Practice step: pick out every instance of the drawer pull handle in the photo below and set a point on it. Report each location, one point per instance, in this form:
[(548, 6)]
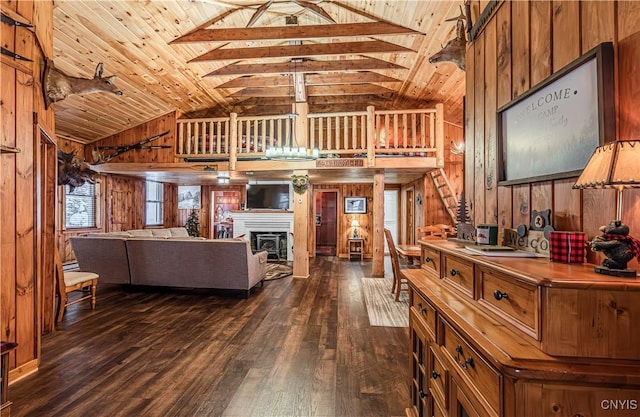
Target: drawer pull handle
[(499, 295), (427, 259), (420, 304), (453, 272), (424, 311), (422, 394), (464, 363), (435, 375)]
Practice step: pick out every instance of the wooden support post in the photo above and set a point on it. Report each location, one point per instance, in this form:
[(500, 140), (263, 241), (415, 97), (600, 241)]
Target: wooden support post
[(233, 141), (440, 135), (371, 136), (378, 224), (301, 123), (301, 231)]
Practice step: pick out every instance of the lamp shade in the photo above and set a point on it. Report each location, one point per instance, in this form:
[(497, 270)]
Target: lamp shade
[(614, 165), (355, 223)]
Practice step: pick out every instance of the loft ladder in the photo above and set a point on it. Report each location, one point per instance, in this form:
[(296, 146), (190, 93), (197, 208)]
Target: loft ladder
[(445, 192)]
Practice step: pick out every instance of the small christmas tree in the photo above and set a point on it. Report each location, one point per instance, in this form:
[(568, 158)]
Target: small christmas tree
[(193, 224), (463, 212)]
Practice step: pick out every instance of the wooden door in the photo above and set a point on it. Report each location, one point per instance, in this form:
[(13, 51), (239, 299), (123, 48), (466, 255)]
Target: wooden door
[(326, 222)]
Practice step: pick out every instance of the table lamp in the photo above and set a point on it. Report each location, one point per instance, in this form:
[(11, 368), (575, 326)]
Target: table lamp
[(355, 224), (614, 165)]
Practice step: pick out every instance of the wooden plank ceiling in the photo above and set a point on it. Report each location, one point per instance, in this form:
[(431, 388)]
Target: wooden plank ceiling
[(211, 57)]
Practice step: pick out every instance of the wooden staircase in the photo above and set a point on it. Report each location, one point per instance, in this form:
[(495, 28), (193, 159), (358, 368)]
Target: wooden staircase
[(445, 192)]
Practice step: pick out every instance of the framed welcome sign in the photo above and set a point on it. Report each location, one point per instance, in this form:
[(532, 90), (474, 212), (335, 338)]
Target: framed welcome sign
[(551, 131)]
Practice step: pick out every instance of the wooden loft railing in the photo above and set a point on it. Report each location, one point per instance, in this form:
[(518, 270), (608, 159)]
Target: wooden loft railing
[(368, 134)]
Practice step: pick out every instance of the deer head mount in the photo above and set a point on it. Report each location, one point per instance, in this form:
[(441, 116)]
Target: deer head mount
[(73, 171), (57, 85), (454, 50)]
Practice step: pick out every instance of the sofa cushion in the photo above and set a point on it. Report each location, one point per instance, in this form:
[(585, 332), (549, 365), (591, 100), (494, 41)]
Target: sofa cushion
[(141, 233), (161, 232), (109, 234), (178, 232)]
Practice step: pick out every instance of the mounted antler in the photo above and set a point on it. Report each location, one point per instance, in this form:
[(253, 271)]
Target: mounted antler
[(73, 171), (454, 50), (58, 85)]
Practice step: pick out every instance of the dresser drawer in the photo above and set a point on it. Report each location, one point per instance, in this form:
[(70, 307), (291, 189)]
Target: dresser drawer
[(425, 311), (431, 260), (516, 301), (439, 377), (481, 376), (458, 274)]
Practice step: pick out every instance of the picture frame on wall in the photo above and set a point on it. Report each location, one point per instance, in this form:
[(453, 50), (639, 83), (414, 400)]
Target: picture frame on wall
[(189, 197), (551, 131), (355, 205)]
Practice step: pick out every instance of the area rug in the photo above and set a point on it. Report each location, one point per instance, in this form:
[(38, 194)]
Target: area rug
[(277, 271), (382, 308)]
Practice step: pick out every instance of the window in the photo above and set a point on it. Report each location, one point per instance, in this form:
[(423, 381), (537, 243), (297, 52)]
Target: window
[(80, 206), (154, 203)]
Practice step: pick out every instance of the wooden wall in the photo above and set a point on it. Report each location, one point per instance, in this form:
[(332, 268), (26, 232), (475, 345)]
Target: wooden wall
[(138, 133), (27, 204), (523, 43)]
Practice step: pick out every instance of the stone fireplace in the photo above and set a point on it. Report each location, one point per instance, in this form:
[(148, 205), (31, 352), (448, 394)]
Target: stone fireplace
[(255, 223)]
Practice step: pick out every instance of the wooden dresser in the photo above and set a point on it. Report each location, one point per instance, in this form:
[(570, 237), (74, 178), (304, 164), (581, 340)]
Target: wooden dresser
[(520, 337)]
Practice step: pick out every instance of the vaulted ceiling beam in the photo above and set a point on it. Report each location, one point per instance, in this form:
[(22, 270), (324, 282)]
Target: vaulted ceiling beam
[(301, 51), (306, 66), (294, 32), (313, 91), (363, 77)]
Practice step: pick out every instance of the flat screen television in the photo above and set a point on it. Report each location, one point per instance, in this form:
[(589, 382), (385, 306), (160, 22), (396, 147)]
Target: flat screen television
[(268, 196)]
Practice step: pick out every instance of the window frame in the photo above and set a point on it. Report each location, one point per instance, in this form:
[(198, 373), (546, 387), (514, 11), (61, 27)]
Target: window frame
[(97, 207), (159, 202)]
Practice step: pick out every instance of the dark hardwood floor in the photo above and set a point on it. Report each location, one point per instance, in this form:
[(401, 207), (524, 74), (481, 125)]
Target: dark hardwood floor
[(296, 347)]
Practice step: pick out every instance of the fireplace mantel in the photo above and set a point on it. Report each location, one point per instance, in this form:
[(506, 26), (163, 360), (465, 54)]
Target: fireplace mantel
[(247, 221)]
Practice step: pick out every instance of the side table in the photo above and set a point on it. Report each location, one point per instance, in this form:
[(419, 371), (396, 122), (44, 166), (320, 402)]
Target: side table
[(5, 404), (356, 247)]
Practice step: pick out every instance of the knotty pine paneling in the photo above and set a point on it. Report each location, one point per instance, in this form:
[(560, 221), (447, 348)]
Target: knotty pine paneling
[(22, 255), (566, 37), (540, 14), (490, 128), (545, 37), (469, 132), (137, 134), (479, 142)]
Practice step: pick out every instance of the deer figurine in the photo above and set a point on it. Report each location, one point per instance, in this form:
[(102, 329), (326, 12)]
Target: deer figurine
[(57, 85), (454, 50)]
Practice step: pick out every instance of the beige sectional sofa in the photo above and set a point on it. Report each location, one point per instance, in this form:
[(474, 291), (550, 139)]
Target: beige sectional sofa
[(170, 258)]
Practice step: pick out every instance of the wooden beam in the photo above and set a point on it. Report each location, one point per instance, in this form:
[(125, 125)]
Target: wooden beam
[(306, 66), (293, 32), (317, 10), (342, 89), (301, 51), (258, 13), (362, 77), (320, 100)]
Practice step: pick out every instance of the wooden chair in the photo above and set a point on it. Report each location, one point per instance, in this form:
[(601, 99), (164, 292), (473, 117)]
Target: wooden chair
[(69, 281), (433, 232), (398, 277)]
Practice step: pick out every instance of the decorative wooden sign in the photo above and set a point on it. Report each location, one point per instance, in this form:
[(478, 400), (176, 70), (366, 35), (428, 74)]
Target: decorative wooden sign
[(534, 241), (339, 163)]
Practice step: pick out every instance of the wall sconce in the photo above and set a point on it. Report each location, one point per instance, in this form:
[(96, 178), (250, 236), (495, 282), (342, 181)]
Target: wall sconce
[(355, 224), (223, 178)]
